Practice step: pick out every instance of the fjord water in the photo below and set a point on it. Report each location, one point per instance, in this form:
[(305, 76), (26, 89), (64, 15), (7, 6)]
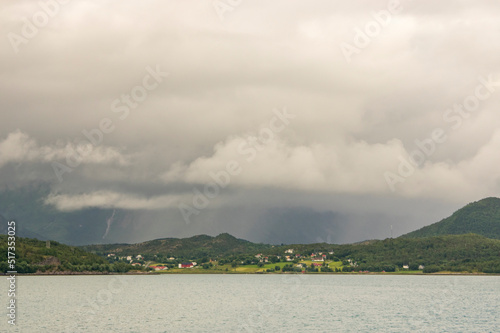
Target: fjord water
[(256, 303)]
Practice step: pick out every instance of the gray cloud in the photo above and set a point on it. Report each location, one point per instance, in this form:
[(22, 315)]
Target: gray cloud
[(354, 121)]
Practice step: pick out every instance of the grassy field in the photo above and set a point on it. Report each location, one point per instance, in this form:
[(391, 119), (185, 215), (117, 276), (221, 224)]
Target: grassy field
[(248, 269), (406, 272), (252, 269), (335, 264)]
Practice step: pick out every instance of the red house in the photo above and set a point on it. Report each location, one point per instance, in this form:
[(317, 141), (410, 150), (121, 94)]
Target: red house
[(186, 265)]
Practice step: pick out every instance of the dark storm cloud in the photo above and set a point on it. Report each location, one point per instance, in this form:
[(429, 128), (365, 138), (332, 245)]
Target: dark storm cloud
[(88, 74)]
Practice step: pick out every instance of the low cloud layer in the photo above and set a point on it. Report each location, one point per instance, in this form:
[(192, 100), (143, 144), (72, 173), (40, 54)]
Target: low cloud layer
[(253, 112)]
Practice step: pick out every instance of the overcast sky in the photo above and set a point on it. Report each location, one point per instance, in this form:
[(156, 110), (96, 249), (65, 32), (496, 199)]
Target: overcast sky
[(275, 121)]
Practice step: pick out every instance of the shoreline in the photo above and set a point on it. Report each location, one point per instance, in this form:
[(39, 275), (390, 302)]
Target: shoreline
[(246, 273)]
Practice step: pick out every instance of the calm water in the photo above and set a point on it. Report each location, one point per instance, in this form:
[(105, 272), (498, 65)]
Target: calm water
[(256, 303)]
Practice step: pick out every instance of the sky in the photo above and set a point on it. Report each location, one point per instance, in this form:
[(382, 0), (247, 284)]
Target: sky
[(274, 121)]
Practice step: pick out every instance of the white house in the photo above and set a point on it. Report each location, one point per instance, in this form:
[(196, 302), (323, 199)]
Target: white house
[(406, 267)]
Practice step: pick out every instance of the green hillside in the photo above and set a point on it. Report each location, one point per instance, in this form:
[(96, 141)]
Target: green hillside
[(481, 217), (193, 247), (457, 253), (33, 255)]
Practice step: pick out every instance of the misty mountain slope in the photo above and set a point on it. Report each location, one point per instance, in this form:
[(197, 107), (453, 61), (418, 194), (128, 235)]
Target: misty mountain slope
[(35, 219), (196, 246), (481, 217)]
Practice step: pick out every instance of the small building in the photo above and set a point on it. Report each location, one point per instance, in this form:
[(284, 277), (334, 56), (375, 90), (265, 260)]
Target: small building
[(129, 258), (289, 251), (159, 268), (406, 267), (421, 267), (186, 265)]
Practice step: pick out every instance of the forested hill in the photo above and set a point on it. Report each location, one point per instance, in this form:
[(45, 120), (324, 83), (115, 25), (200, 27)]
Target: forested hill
[(480, 217), (456, 253), (32, 255), (194, 247)]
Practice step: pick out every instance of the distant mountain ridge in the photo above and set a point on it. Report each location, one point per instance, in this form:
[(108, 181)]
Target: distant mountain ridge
[(196, 246), (481, 217)]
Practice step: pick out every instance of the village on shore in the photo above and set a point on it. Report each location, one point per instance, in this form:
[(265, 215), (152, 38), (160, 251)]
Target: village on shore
[(315, 262)]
